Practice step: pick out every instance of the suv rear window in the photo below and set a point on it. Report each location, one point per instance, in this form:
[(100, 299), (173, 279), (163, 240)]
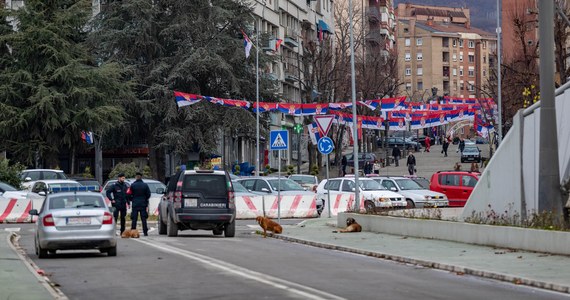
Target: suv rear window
[(213, 185)]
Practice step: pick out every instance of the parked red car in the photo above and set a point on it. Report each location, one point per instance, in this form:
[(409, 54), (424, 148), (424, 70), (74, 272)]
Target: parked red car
[(456, 185)]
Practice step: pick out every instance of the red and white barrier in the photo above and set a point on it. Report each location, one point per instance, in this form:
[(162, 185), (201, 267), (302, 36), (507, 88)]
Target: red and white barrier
[(295, 206), (15, 210), (340, 203)]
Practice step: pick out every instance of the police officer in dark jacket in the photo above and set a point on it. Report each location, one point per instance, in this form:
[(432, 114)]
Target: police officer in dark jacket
[(139, 195), (119, 200)]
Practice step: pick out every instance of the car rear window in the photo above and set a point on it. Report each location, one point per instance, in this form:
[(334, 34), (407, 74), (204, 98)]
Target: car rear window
[(213, 185), (76, 201)]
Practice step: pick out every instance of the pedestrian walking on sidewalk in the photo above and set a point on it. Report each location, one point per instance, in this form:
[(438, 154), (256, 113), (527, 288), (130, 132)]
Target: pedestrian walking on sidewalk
[(117, 194), (411, 163), (428, 143), (396, 154), (343, 163), (367, 168), (140, 194), (461, 145), (445, 146)]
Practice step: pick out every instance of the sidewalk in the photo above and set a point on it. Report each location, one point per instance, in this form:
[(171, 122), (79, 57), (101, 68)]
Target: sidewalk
[(19, 280), (533, 269)]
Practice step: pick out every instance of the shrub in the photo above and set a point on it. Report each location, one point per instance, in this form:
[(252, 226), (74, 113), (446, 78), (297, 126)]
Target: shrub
[(87, 173), (129, 169), (290, 170), (147, 172), (10, 174), (315, 170), (237, 171)]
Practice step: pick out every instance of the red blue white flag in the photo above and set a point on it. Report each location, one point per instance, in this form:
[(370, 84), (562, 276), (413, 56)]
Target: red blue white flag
[(314, 109), (247, 44), (290, 109), (340, 105), (265, 106), (184, 99)]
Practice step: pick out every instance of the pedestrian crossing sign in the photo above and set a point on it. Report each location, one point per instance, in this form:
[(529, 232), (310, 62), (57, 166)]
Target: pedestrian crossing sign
[(278, 140)]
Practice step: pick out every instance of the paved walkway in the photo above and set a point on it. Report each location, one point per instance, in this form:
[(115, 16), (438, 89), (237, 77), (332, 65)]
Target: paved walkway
[(534, 269), (17, 280)]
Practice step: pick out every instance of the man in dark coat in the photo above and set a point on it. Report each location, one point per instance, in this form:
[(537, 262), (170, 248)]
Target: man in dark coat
[(411, 163), (396, 154), (343, 163), (117, 194), (139, 195), (445, 146)]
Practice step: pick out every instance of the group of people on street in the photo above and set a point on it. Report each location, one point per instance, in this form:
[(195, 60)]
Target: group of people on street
[(137, 195)]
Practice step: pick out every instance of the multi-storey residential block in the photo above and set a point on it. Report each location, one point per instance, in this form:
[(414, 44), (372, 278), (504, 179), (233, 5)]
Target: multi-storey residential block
[(437, 47), (381, 25)]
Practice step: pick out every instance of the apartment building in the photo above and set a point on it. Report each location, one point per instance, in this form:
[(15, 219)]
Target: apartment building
[(381, 19), (437, 47), (525, 12)]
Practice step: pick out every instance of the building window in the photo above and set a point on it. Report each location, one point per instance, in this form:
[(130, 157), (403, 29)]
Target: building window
[(454, 72), (461, 57), (484, 59), (461, 86), (408, 86), (419, 42), (408, 56), (471, 73), (484, 73), (461, 72), (471, 87), (484, 44), (407, 42), (454, 42), (406, 30), (419, 56), (460, 43), (408, 72), (471, 58), (471, 44), (420, 85), (420, 71), (454, 56)]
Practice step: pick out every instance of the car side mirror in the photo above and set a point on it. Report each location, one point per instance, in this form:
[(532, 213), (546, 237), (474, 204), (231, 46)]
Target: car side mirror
[(33, 212), (160, 191), (42, 193), (265, 190), (393, 189), (354, 189), (28, 179)]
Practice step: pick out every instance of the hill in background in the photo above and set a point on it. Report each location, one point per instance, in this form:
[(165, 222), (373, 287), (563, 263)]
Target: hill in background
[(483, 12)]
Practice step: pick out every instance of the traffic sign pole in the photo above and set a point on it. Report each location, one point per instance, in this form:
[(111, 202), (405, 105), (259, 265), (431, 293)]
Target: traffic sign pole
[(328, 191), (279, 188)]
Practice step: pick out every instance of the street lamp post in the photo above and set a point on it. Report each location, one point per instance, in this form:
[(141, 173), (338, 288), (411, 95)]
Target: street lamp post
[(499, 97), (354, 118)]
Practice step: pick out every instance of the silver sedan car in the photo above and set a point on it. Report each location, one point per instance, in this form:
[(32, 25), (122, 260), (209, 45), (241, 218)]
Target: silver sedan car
[(74, 220)]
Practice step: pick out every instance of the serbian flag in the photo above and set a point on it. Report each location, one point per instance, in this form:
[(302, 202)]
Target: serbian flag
[(290, 108), (236, 103), (277, 44), (314, 109), (247, 44), (372, 104), (214, 100), (340, 105), (397, 124), (393, 103), (184, 99), (314, 132), (265, 106), (87, 136)]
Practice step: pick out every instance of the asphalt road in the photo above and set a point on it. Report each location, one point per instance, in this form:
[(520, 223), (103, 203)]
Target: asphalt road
[(197, 265)]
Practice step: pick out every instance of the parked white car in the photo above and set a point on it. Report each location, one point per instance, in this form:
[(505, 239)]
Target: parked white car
[(416, 195), (374, 194), (30, 176)]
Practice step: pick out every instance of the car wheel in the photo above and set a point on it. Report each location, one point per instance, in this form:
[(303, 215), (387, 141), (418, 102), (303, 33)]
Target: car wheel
[(218, 231), (42, 253), (112, 251), (369, 206), (410, 204), (161, 225), (230, 229), (171, 227)]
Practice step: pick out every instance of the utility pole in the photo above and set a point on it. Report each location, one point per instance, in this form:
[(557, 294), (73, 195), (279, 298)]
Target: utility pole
[(499, 96), (549, 192), (354, 117)]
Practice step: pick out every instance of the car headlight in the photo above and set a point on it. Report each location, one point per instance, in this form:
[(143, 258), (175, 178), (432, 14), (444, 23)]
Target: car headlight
[(381, 199), (427, 198)]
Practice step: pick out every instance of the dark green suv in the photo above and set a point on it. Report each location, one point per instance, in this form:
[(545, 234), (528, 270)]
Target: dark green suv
[(198, 199)]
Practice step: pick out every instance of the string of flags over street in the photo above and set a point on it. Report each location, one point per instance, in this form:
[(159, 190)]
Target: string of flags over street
[(397, 111)]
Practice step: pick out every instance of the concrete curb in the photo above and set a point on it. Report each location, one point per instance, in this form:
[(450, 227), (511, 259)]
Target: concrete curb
[(34, 269), (435, 265)]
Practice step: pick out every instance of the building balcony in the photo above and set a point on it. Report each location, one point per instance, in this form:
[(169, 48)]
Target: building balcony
[(291, 37), (377, 35), (373, 14)]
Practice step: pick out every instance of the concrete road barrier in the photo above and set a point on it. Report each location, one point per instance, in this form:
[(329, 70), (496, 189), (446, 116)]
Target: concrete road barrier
[(341, 203), (294, 206), (15, 210)]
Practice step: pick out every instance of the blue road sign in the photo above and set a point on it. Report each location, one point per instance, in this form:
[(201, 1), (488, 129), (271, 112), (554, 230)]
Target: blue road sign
[(325, 145), (278, 140)]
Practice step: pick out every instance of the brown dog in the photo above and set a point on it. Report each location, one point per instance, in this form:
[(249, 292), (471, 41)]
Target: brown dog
[(351, 226), (130, 233), (268, 225)]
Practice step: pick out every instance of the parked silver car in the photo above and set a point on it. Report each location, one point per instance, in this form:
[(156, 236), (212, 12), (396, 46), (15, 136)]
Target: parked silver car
[(416, 195), (74, 220)]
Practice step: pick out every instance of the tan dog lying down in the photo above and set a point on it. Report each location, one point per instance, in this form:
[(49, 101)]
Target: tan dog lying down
[(130, 233), (351, 226)]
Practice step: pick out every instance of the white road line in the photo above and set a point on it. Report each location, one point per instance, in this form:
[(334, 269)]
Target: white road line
[(12, 229), (292, 287)]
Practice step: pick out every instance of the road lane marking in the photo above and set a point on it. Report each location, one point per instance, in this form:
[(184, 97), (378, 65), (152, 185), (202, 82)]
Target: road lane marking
[(12, 229), (292, 287)]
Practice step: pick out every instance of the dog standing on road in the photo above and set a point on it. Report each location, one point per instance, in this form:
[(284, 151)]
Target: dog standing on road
[(351, 226), (268, 225)]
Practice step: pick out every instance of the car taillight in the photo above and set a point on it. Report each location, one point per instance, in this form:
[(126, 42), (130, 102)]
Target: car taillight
[(231, 197), (107, 218), (177, 199), (48, 220)]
